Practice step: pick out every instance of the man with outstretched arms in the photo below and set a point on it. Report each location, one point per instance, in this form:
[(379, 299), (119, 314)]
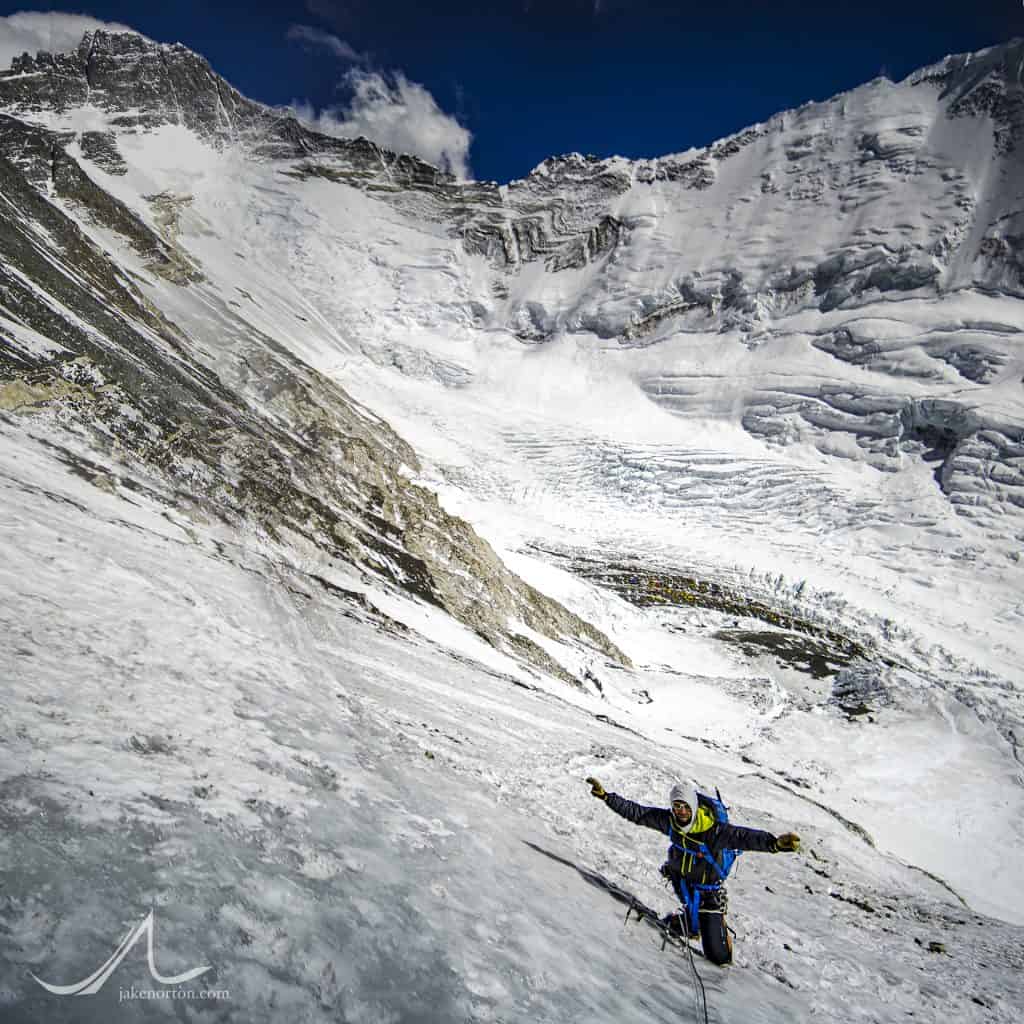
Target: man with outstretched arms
[(702, 848)]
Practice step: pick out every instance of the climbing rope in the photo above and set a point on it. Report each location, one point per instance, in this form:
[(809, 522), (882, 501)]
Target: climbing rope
[(700, 999)]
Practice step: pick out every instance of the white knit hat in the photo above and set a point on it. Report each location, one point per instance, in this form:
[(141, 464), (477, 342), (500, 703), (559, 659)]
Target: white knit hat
[(686, 790)]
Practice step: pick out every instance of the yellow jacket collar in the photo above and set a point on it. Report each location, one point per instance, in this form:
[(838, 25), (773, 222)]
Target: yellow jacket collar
[(705, 819)]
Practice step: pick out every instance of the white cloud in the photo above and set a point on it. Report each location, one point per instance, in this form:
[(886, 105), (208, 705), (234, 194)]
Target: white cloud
[(331, 43), (29, 32), (399, 115)]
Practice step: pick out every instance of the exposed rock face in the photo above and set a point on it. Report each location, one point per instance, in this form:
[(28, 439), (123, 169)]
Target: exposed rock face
[(41, 157), (852, 157), (985, 83), (559, 215), (101, 149), (261, 443), (144, 85), (564, 212), (121, 72)]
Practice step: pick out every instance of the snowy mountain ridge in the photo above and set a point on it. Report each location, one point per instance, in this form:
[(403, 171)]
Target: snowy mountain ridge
[(435, 497)]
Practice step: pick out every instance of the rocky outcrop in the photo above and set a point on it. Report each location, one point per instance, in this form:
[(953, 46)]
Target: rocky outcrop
[(987, 83), (142, 85), (101, 149), (558, 215), (43, 161), (261, 443)]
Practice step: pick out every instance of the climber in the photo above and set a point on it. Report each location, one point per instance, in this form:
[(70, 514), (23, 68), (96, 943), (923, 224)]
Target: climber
[(703, 846)]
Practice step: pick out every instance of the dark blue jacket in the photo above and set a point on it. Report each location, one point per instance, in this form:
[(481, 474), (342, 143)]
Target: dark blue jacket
[(715, 836)]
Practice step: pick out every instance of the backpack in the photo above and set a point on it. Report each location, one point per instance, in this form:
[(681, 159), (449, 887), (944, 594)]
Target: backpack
[(728, 857), (723, 866)]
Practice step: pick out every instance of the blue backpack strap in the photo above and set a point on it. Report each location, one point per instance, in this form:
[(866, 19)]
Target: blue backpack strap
[(709, 857), (701, 851)]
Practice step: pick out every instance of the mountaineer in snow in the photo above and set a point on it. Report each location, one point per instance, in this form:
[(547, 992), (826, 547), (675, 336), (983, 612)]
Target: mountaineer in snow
[(703, 846)]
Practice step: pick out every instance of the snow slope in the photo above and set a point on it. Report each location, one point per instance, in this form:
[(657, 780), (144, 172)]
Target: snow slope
[(351, 825), (751, 412), (558, 445)]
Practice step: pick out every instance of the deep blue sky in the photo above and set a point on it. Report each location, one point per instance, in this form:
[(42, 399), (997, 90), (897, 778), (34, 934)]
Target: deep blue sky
[(532, 78)]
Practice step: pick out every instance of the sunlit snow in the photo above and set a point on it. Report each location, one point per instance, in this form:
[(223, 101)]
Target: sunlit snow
[(345, 820)]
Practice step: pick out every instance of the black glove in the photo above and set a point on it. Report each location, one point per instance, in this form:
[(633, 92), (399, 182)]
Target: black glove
[(596, 789)]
